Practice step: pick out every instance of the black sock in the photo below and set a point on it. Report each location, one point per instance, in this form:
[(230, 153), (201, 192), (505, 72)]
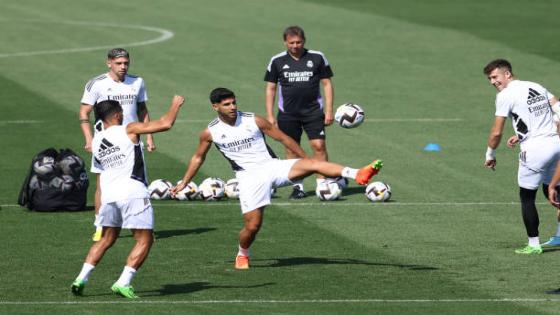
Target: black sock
[(529, 211)]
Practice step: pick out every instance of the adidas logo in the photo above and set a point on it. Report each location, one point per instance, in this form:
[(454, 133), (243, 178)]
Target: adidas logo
[(534, 97), (286, 67), (322, 133), (106, 148)]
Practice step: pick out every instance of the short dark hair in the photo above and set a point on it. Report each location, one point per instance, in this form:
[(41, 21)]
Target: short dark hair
[(294, 30), (104, 109), (219, 94), (117, 53), (498, 63)]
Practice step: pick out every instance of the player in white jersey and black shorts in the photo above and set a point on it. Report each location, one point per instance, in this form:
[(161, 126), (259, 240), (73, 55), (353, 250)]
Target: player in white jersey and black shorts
[(531, 108), (125, 201), (297, 74), (117, 85), (240, 137)]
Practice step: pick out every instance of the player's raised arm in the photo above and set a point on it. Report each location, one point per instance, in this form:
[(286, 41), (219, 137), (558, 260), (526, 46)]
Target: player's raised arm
[(277, 134), (164, 123), (197, 159)]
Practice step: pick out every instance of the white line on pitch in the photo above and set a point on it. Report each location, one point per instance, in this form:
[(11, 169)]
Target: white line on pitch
[(165, 35), (5, 122), (199, 203), (374, 120), (337, 301)]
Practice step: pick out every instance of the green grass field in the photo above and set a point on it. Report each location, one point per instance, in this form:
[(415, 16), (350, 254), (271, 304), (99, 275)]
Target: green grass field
[(444, 245)]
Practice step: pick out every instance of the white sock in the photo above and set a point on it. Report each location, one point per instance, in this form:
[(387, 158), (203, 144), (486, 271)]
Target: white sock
[(558, 230), (299, 184), (126, 276), (97, 225), (243, 251), (86, 271), (534, 241), (349, 172)]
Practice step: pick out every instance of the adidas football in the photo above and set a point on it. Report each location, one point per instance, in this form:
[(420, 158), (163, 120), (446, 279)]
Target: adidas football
[(349, 115), (212, 189), (71, 165), (232, 189), (342, 181), (35, 183), (378, 192), (64, 182), (190, 192), (328, 190), (44, 166), (159, 189)]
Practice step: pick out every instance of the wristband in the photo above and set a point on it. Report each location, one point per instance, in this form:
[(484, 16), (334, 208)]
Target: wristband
[(84, 121), (490, 154)]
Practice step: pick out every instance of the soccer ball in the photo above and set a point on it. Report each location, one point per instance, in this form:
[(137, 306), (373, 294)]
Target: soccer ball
[(45, 166), (328, 190), (35, 183), (378, 192), (159, 189), (71, 165), (190, 192), (212, 189), (64, 182), (349, 115), (232, 188)]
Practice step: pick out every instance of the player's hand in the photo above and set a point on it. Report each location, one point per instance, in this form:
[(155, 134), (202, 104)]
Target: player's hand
[(512, 141), (178, 100), (328, 119), (272, 121), (490, 164), (173, 191), (150, 144), (87, 146), (553, 197)]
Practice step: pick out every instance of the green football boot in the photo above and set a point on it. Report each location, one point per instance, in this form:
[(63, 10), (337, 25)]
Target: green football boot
[(529, 250), (125, 291), (78, 287)]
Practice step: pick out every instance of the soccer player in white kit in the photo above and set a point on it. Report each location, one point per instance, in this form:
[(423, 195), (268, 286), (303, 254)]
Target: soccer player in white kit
[(118, 85), (125, 202), (240, 137), (531, 108)]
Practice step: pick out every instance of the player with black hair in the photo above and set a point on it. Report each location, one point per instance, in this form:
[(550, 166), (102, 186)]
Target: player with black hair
[(125, 202), (531, 108)]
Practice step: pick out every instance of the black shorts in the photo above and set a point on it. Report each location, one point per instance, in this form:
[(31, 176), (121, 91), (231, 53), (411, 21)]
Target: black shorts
[(293, 125)]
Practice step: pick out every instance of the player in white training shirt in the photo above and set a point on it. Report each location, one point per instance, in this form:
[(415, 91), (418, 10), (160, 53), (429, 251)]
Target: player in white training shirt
[(240, 137), (531, 108), (116, 85), (125, 202)]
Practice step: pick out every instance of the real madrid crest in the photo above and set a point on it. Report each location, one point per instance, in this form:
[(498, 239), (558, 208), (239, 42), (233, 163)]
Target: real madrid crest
[(310, 64)]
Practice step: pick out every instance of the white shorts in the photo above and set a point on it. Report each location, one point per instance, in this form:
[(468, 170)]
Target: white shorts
[(255, 185), (128, 214), (537, 162)]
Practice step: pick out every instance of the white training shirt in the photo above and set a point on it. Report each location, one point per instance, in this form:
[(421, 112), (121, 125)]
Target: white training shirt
[(128, 93), (243, 144), (121, 163), (527, 103)]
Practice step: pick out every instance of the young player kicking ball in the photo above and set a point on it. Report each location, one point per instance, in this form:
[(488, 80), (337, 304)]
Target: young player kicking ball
[(240, 138), (125, 201)]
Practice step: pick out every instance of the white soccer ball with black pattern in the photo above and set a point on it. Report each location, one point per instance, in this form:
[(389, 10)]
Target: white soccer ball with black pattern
[(349, 115), (342, 181), (44, 166), (190, 192), (232, 188), (378, 192), (64, 182), (159, 189), (35, 183), (328, 190), (71, 165), (212, 189)]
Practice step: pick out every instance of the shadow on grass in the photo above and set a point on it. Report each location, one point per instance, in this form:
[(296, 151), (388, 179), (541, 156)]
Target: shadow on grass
[(185, 288), (296, 261), (173, 233)]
